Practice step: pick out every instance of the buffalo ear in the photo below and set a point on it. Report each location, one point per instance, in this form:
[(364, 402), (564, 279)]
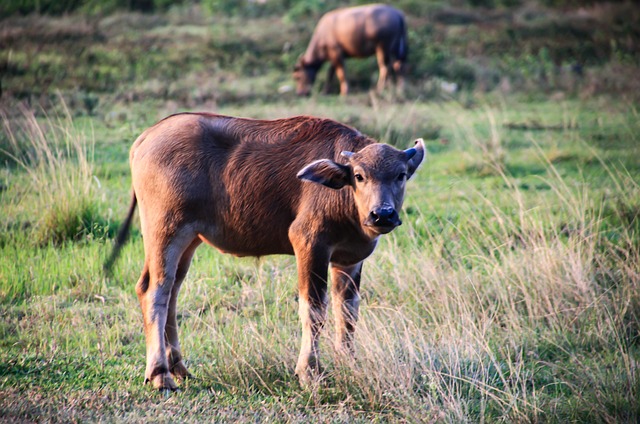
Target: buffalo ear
[(326, 172), (415, 155)]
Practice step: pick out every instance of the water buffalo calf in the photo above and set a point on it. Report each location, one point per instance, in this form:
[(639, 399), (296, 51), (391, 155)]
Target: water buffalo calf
[(302, 186), (360, 31)]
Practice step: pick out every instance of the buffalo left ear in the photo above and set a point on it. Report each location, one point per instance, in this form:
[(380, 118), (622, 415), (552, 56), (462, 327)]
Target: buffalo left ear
[(415, 156), (326, 172)]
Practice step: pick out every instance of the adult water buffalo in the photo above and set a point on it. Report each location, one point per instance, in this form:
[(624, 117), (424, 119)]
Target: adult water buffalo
[(360, 31), (303, 186)]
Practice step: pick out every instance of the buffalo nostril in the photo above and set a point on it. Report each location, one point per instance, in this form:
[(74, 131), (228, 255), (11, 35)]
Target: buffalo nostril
[(385, 212), (384, 218), (383, 215)]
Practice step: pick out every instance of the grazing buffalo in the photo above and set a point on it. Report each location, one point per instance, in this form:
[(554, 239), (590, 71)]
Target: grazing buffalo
[(360, 31), (302, 186)]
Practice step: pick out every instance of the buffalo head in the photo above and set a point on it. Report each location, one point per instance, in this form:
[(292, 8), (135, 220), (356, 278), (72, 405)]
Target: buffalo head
[(377, 175), (304, 75)]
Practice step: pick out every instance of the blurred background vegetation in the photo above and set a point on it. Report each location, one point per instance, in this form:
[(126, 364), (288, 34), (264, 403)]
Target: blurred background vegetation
[(100, 53), (253, 7)]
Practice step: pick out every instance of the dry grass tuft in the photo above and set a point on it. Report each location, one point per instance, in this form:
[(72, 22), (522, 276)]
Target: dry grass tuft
[(58, 160)]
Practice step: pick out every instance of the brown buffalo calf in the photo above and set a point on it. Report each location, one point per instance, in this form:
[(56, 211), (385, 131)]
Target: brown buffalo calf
[(302, 186)]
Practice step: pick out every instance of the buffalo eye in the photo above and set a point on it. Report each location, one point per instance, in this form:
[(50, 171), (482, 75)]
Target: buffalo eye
[(402, 176), (359, 178)]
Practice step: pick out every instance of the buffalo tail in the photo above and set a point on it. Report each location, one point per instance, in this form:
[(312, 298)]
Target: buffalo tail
[(121, 238)]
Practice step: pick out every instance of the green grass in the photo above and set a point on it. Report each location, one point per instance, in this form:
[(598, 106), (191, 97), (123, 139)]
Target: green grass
[(510, 293)]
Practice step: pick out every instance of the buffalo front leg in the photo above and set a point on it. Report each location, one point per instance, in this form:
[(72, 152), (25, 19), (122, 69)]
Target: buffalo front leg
[(383, 66), (312, 288), (331, 73), (342, 77), (345, 297)]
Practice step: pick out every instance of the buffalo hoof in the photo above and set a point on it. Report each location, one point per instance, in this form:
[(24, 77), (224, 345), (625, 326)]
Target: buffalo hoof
[(180, 372), (309, 376), (163, 382)]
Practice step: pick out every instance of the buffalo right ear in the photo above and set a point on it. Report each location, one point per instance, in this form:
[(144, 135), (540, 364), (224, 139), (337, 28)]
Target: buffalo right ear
[(415, 156), (326, 172)]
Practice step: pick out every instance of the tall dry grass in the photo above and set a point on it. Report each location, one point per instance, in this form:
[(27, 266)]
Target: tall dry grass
[(523, 309), (495, 301), (524, 314), (57, 159), (519, 314)]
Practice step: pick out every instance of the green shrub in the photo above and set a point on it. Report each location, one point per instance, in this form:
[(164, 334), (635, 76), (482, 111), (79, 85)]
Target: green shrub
[(75, 220)]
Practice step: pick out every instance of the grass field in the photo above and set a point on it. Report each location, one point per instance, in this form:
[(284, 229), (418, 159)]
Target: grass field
[(511, 293)]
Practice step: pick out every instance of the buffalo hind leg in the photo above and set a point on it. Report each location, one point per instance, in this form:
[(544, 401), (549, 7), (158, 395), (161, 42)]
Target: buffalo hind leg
[(154, 293), (174, 355), (345, 299), (399, 70), (154, 290)]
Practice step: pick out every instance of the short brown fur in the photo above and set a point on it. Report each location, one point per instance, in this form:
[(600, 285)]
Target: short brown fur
[(253, 188)]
